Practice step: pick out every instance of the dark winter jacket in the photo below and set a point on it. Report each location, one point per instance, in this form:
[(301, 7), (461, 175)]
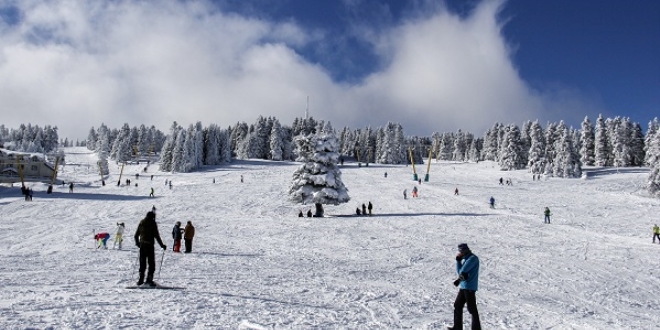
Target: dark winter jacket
[(177, 232), (147, 231), (189, 232), (468, 269)]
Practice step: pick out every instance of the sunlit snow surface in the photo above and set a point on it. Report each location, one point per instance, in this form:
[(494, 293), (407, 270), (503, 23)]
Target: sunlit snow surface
[(256, 265)]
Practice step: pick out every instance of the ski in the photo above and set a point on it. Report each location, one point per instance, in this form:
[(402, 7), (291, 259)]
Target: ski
[(157, 287)]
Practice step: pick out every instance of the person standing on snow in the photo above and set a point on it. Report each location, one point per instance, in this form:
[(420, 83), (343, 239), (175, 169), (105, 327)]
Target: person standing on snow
[(188, 234), (492, 202), (415, 192), (656, 233), (546, 213), (176, 235), (152, 192), (364, 209), (119, 234), (370, 207), (405, 193), (145, 237), (456, 191), (467, 268)]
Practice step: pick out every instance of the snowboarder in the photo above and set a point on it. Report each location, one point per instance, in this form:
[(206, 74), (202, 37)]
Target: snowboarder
[(656, 233), (456, 191), (176, 235), (415, 192), (467, 268), (370, 207), (101, 240), (118, 235), (492, 202), (405, 194), (71, 187), (151, 194), (145, 237), (364, 209), (546, 214), (188, 234)]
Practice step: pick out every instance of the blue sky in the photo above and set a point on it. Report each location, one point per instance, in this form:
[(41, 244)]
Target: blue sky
[(430, 65)]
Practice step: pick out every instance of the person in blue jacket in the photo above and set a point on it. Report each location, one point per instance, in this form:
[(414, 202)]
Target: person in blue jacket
[(491, 201), (467, 267)]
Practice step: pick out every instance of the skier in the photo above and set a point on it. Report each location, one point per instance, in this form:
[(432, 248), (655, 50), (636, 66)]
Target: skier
[(370, 207), (467, 267), (546, 213), (188, 234), (386, 175), (405, 194), (364, 209), (456, 191), (145, 235), (656, 233), (170, 183), (492, 202), (119, 234), (501, 180), (102, 239), (176, 235), (241, 178), (300, 215), (71, 187), (152, 192), (415, 192), (309, 213)]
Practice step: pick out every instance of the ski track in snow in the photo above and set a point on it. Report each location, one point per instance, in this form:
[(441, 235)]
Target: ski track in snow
[(256, 265)]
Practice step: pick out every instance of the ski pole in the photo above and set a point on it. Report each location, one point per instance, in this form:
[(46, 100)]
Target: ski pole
[(162, 256)]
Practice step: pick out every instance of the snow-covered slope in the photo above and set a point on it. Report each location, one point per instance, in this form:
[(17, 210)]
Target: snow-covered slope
[(256, 265)]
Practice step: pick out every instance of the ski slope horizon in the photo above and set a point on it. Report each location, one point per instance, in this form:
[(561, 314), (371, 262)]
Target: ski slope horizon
[(256, 265)]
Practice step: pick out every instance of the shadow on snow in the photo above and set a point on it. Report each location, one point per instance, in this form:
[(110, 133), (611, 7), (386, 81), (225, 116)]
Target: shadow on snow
[(108, 197)]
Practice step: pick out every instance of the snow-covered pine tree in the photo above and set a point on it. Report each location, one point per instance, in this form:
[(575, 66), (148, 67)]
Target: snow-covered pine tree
[(567, 161), (91, 139), (460, 147), (178, 153), (276, 142), (510, 156), (167, 152), (588, 138), (536, 154), (636, 145), (654, 126), (318, 179), (601, 143), (653, 157)]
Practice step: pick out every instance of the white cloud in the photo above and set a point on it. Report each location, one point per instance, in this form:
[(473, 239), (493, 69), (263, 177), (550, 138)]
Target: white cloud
[(77, 64)]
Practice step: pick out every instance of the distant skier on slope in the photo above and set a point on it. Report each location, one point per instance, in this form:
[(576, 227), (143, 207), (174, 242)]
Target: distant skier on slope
[(656, 233), (177, 233), (492, 202), (546, 213)]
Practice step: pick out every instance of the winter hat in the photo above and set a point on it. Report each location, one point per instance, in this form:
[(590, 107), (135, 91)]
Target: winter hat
[(463, 247)]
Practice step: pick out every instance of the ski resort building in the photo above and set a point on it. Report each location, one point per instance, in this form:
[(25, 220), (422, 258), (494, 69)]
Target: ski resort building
[(32, 167)]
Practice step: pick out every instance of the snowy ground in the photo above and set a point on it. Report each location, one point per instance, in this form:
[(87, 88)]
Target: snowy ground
[(256, 265)]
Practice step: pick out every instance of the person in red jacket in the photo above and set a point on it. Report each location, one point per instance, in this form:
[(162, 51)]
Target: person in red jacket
[(101, 240)]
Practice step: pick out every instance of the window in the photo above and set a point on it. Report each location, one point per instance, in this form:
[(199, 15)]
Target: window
[(34, 168)]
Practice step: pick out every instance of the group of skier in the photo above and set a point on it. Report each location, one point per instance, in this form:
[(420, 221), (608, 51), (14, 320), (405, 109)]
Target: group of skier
[(364, 209)]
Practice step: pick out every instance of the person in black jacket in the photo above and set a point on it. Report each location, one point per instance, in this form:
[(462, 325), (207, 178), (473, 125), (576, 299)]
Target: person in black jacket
[(145, 237)]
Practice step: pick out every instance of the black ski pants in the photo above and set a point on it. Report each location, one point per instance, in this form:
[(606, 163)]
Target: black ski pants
[(188, 242), (463, 297), (147, 256)]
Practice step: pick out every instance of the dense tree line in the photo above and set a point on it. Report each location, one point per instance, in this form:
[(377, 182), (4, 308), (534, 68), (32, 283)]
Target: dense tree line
[(556, 150)]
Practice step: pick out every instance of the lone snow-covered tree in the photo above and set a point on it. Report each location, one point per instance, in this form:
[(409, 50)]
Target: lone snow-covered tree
[(318, 179)]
